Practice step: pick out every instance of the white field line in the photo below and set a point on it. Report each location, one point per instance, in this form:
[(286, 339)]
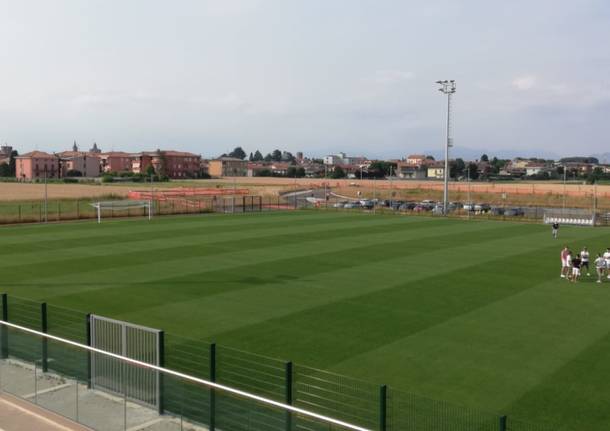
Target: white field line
[(183, 376)]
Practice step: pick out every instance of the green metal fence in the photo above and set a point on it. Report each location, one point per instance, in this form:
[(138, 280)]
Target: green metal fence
[(375, 407)]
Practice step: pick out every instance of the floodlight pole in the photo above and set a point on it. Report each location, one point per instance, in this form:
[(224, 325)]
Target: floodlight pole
[(448, 88), (46, 197), (564, 186)]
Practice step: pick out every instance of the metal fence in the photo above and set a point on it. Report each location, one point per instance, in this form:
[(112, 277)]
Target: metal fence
[(504, 213), (367, 405), (65, 210), (68, 395)]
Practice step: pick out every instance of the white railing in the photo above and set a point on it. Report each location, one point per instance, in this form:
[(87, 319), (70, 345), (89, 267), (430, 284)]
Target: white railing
[(19, 363)]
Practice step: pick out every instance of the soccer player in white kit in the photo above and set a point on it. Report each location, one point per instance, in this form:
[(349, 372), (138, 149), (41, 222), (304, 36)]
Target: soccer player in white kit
[(584, 257), (607, 257)]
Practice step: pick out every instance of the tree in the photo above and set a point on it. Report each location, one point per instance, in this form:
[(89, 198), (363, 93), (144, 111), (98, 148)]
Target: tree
[(150, 170), (380, 169), (5, 170), (594, 176), (456, 168), (295, 171), (430, 157), (288, 157), (268, 158), (238, 153), (251, 158), (338, 172), (12, 164), (258, 156), (472, 171), (484, 158), (276, 156)]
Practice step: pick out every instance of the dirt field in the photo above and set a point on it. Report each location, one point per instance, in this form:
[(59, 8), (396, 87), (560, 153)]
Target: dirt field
[(521, 193)]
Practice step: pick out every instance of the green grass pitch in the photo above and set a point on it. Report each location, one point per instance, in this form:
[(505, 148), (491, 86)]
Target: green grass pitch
[(469, 312)]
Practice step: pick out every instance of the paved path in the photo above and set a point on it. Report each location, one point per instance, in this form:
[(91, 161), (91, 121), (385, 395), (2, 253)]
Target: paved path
[(18, 415)]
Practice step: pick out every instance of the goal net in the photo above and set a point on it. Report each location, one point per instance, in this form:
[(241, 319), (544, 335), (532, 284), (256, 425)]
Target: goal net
[(573, 216), (120, 207)]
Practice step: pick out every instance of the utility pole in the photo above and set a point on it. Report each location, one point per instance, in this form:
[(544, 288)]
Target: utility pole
[(448, 88), (469, 200)]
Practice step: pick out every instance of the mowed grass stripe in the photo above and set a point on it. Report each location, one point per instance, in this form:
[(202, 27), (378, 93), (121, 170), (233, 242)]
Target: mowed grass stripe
[(94, 277), (427, 297), (112, 228), (304, 262), (112, 233), (117, 247), (200, 246), (235, 310)]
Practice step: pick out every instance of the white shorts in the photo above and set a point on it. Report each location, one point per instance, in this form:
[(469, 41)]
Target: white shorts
[(575, 271), (564, 263)]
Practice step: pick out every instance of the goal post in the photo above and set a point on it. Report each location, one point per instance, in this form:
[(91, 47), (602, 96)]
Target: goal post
[(122, 205), (570, 216)]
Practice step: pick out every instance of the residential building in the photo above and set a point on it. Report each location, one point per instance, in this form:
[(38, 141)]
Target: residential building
[(410, 170), (436, 170), (115, 161), (256, 168), (174, 164), (85, 163), (534, 168), (415, 160), (228, 167), (344, 159), (37, 164)]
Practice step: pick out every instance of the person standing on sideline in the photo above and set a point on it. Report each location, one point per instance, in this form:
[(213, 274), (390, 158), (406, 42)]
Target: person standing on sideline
[(600, 267), (555, 229), (584, 257), (564, 262)]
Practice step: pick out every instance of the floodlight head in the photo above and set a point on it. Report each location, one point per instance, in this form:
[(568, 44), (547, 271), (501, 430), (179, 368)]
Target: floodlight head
[(439, 82)]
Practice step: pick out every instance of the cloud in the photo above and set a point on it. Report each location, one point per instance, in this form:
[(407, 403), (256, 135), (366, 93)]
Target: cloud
[(391, 76), (526, 82)]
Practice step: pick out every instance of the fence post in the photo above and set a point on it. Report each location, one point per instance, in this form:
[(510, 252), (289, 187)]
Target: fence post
[(383, 407), (4, 349), (88, 327), (77, 210), (243, 204), (502, 423), (19, 212), (289, 378), (45, 344), (161, 361), (212, 391)]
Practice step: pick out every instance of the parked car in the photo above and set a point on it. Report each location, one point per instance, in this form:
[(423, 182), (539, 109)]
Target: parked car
[(439, 209), (482, 208), (339, 204), (497, 211), (468, 207), (395, 205), (351, 205), (513, 212), (367, 204)]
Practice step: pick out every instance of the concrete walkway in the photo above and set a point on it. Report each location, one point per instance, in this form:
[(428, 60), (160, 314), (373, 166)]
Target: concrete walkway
[(18, 415)]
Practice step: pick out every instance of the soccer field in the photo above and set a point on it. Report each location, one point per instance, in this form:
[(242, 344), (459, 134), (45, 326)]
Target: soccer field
[(469, 312)]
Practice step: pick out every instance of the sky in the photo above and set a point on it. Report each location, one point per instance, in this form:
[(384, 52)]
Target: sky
[(318, 76)]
